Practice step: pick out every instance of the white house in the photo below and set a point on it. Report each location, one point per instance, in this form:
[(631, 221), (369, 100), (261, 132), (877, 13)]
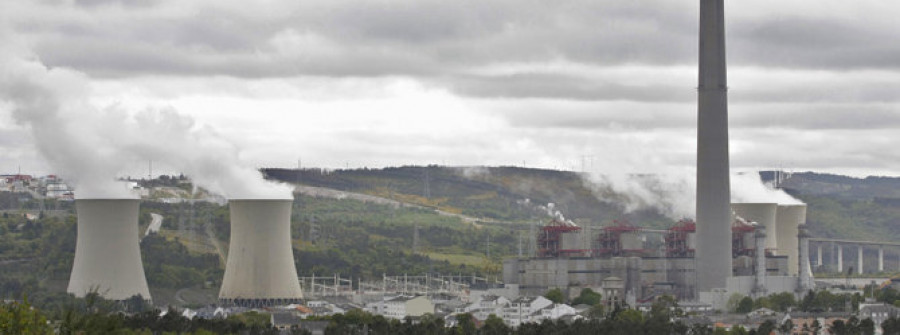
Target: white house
[(553, 312), (485, 306), (520, 311), (401, 307), (878, 313)]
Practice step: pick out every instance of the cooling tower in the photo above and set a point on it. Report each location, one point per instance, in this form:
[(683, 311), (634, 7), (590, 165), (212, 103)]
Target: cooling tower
[(107, 253), (761, 213), (260, 268), (789, 217), (713, 184)]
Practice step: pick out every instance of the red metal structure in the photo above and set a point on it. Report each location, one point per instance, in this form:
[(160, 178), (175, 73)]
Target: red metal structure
[(550, 239), (742, 237), (611, 242), (678, 239)]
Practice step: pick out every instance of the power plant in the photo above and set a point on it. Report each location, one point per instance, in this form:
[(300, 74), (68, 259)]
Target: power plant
[(107, 253), (644, 262), (748, 248), (752, 249), (260, 269)]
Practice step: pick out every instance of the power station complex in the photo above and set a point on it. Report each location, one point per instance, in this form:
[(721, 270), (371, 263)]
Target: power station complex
[(621, 259), (260, 269), (732, 248), (754, 252)]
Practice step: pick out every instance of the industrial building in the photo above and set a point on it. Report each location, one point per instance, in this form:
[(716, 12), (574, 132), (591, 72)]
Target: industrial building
[(107, 253), (260, 268), (624, 259)]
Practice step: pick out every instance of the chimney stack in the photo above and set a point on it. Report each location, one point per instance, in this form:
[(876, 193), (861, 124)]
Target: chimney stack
[(713, 260)]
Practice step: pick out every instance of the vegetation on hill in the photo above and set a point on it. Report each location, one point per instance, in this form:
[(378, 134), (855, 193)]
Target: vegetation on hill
[(837, 186), (367, 239), (490, 194), (348, 237)]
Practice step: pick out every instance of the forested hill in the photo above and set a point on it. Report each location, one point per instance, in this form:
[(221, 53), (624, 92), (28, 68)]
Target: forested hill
[(508, 194), (847, 207), (869, 188), (839, 206)]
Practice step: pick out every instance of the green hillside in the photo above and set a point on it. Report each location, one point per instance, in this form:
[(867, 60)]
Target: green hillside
[(490, 194), (391, 221)]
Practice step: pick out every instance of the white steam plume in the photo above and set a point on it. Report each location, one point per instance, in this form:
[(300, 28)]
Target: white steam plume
[(91, 146), (748, 187), (671, 195), (674, 194)]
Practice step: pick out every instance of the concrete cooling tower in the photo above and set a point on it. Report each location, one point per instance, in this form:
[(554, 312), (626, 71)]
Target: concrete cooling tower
[(790, 217), (260, 269), (763, 214), (107, 253)]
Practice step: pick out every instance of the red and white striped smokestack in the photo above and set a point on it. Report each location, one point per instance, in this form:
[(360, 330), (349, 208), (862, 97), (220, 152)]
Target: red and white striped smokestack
[(713, 260)]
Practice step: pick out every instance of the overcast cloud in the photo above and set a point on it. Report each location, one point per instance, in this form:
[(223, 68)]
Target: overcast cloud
[(813, 84)]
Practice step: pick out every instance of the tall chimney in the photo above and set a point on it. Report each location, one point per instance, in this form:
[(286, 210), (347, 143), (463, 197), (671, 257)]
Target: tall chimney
[(760, 290), (713, 184), (806, 280)]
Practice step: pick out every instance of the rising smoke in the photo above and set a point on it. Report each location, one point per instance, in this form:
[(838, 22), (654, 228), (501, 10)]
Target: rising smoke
[(674, 194), (90, 146)]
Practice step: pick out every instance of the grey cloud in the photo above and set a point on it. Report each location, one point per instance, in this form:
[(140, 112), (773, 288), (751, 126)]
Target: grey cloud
[(799, 42), (836, 149), (543, 85), (816, 116), (125, 3), (444, 34), (600, 118), (838, 91), (439, 42)]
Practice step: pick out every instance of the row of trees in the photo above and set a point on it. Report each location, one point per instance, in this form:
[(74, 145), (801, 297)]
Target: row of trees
[(814, 301), (621, 322), (93, 315)]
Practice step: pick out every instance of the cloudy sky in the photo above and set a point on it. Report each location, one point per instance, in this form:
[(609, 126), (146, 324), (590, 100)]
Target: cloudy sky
[(814, 85)]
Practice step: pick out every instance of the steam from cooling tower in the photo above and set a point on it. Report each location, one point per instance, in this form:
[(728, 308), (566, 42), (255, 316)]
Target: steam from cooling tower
[(207, 157), (50, 103), (90, 146), (748, 187), (673, 194)]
